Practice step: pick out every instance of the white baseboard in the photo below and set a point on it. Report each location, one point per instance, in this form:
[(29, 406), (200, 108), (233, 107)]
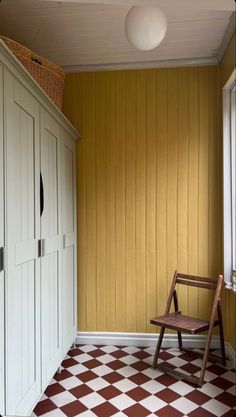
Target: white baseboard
[(143, 339), (150, 340)]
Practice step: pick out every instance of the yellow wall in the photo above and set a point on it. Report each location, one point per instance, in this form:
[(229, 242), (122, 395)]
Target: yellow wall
[(226, 68), (149, 191)]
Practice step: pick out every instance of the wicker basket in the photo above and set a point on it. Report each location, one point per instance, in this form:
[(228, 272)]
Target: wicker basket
[(48, 75)]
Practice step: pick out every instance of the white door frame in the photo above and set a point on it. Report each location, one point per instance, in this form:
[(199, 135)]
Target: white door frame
[(227, 175)]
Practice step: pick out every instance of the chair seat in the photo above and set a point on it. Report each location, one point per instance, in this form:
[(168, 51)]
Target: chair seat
[(179, 322)]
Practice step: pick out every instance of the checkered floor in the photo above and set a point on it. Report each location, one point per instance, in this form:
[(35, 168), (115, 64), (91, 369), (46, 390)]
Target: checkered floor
[(117, 381)]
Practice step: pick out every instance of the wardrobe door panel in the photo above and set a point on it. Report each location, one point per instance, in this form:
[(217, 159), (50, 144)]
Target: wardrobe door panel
[(2, 242), (50, 248), (69, 294), (23, 381)]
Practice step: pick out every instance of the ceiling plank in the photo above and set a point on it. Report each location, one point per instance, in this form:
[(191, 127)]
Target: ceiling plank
[(228, 5), (83, 34)]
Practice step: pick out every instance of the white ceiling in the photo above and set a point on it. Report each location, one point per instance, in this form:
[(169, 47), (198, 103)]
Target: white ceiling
[(84, 36)]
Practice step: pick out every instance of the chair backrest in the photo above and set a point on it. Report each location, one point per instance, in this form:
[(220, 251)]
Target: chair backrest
[(195, 281)]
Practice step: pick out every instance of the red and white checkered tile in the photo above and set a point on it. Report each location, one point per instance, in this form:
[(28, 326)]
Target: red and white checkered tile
[(106, 381)]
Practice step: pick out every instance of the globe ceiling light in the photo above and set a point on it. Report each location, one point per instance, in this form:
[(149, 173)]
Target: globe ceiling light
[(145, 27)]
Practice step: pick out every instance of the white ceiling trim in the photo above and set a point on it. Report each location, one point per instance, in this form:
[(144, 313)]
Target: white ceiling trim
[(199, 4), (227, 37), (142, 65)]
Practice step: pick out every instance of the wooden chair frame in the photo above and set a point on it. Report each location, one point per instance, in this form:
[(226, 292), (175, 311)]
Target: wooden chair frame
[(185, 324)]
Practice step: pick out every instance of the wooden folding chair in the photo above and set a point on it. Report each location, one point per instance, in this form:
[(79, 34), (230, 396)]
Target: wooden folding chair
[(181, 323)]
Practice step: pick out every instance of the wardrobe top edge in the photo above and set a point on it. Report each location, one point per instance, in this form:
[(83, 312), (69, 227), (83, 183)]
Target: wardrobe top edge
[(9, 60)]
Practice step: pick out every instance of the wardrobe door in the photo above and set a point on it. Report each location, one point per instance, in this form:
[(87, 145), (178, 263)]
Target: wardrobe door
[(2, 303), (51, 246), (69, 277), (23, 381)]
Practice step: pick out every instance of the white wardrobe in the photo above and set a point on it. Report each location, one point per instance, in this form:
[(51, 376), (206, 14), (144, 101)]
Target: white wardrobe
[(37, 238)]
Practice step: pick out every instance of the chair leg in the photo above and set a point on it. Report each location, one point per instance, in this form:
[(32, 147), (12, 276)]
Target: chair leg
[(205, 356), (180, 341), (221, 331), (154, 364), (176, 304)]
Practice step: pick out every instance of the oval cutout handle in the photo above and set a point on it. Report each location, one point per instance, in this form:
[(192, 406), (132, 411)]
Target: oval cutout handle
[(41, 195)]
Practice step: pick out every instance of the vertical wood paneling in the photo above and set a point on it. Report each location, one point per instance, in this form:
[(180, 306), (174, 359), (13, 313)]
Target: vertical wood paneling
[(130, 209), (161, 193), (120, 190), (110, 209), (89, 135), (100, 149), (193, 188), (204, 172), (182, 178), (172, 174), (148, 174), (79, 86), (151, 196), (215, 167), (141, 171)]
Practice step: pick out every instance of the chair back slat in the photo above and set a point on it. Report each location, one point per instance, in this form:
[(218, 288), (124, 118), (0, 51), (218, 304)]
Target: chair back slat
[(197, 278), (198, 284)]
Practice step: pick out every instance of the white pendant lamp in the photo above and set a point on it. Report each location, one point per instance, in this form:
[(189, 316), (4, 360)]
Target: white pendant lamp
[(145, 27)]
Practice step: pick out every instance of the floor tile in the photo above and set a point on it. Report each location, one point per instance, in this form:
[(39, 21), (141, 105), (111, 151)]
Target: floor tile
[(138, 394), (44, 406), (105, 410), (122, 402), (97, 383), (181, 388), (54, 389), (92, 400), (119, 381), (83, 357), (55, 413), (222, 383), (113, 377), (184, 405), (67, 363), (200, 412), (124, 385), (127, 371), (153, 386), (118, 353), (104, 359), (63, 398), (88, 413), (73, 409), (167, 395), (102, 370), (71, 382), (77, 369), (81, 390), (109, 392), (153, 403), (166, 380), (211, 390), (169, 411), (87, 348), (227, 399), (216, 407), (136, 410), (198, 397)]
